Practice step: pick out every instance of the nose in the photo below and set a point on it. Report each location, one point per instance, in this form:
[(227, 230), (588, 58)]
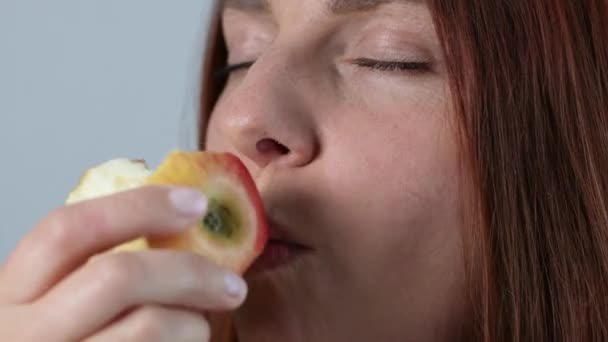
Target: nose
[(265, 116)]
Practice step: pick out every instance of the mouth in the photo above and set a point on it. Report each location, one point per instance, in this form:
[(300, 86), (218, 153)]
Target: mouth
[(281, 251)]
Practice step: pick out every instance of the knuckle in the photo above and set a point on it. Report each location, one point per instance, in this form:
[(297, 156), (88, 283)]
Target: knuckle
[(56, 224), (148, 325), (196, 269), (65, 226), (137, 203), (142, 197), (93, 218), (115, 272), (55, 229), (199, 266)]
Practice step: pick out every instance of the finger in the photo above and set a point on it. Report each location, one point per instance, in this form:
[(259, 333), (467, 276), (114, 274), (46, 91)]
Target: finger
[(19, 323), (70, 235), (115, 283), (156, 324)]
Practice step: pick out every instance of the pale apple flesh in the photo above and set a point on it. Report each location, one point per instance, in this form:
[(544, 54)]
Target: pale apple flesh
[(109, 178)]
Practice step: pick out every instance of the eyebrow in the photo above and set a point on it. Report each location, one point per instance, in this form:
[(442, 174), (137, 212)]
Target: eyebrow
[(348, 6), (334, 6)]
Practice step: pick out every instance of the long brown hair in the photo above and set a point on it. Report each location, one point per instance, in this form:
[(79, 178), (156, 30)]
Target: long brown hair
[(529, 80)]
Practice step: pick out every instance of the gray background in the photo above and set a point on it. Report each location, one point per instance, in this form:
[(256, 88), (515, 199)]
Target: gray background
[(82, 81)]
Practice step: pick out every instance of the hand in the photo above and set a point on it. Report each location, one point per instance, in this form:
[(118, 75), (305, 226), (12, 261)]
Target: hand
[(52, 290)]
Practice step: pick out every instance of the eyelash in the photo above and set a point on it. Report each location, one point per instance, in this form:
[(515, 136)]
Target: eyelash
[(378, 65), (389, 66)]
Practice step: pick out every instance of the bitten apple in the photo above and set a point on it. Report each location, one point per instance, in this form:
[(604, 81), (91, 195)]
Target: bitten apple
[(234, 231)]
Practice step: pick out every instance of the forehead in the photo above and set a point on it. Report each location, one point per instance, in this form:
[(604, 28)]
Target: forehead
[(334, 6)]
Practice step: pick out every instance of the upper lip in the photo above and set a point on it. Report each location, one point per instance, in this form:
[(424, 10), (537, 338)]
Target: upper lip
[(279, 234)]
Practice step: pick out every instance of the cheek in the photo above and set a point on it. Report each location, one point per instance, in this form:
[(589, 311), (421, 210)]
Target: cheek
[(395, 223), (215, 135), (397, 196)]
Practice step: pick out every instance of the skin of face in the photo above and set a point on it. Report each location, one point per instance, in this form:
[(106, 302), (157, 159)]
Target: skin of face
[(344, 120)]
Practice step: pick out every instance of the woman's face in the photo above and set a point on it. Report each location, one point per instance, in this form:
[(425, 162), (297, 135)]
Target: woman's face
[(344, 120)]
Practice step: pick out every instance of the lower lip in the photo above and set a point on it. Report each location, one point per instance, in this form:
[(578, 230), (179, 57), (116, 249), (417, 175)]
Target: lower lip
[(277, 254)]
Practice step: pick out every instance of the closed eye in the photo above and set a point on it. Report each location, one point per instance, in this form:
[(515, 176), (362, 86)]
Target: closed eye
[(389, 66), (379, 65)]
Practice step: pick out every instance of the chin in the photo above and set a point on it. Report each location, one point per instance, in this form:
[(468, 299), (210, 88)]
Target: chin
[(279, 303)]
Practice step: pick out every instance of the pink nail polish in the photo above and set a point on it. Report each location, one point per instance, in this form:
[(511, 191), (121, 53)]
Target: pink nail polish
[(188, 202)]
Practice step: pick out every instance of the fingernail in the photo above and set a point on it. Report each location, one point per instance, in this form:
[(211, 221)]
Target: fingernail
[(235, 286), (188, 202)]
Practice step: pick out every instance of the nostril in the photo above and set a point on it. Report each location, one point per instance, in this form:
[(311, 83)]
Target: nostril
[(271, 146)]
